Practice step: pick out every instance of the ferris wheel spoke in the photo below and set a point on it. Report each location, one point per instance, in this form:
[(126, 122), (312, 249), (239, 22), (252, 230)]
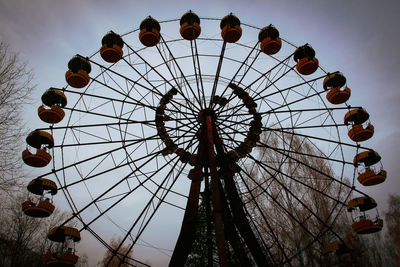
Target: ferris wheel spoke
[(286, 151), (289, 192), (102, 111), (144, 76), (199, 78), (328, 217), (102, 134), (267, 223), (279, 91), (280, 205), (262, 76), (309, 137), (316, 170), (230, 137), (127, 88), (271, 82), (270, 77), (125, 78), (126, 194), (308, 127), (197, 74), (97, 114), (245, 72), (277, 171), (308, 117), (296, 152), (316, 147), (108, 247), (108, 99), (138, 102), (98, 174), (78, 212), (105, 142), (306, 110), (197, 71), (116, 117), (271, 112), (104, 154), (106, 125), (182, 120), (234, 113), (187, 131), (144, 213), (162, 76), (154, 88), (244, 121), (218, 71), (175, 76), (232, 130), (258, 96), (287, 154)]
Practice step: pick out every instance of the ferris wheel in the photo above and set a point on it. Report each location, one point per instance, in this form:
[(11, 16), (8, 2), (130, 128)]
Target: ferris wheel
[(175, 126)]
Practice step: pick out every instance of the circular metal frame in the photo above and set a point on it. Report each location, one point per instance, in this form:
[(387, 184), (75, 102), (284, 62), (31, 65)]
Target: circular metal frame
[(121, 177)]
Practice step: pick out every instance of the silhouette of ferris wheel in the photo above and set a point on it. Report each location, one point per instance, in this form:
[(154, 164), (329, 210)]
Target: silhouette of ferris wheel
[(175, 126)]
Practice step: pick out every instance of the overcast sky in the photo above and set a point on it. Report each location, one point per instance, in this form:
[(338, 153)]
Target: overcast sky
[(358, 37)]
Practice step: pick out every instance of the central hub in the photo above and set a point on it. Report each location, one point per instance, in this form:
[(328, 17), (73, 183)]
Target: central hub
[(207, 112), (174, 138)]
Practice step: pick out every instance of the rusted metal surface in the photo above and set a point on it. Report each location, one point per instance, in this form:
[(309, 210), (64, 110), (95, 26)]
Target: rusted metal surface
[(215, 196)]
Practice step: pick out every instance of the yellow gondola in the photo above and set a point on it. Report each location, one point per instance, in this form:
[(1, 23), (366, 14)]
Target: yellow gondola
[(38, 139), (44, 207), (42, 141), (61, 233), (66, 259), (190, 26), (362, 203), (270, 43), (364, 225), (78, 71), (56, 100), (67, 256), (149, 34), (358, 133), (356, 116), (39, 159), (367, 226), (111, 47), (307, 63), (53, 115), (334, 80), (39, 185), (336, 96), (230, 28), (368, 158), (370, 177)]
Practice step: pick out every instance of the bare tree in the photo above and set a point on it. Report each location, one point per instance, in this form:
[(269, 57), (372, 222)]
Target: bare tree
[(16, 86), (299, 205), (115, 259), (392, 219), (23, 238), (83, 261)]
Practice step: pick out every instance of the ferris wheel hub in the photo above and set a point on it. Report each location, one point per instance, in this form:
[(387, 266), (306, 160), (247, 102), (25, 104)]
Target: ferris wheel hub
[(204, 113)]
